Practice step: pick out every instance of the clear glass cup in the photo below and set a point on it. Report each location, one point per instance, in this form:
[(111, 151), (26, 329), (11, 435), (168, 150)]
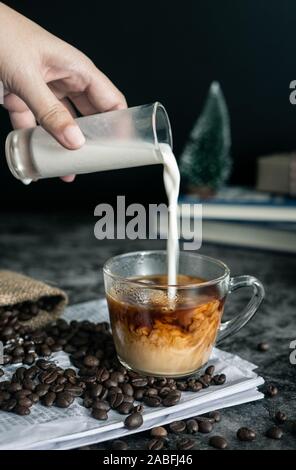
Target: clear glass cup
[(115, 139), (160, 336)]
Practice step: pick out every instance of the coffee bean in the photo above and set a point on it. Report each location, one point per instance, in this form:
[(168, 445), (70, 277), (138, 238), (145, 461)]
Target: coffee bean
[(205, 380), (181, 385), (34, 397), (48, 399), (109, 383), (21, 410), (119, 445), (192, 426), (139, 382), (9, 405), (25, 401), (56, 388), (14, 387), (263, 346), (99, 414), (154, 401), (117, 376), (204, 426), (274, 432), (41, 389), (127, 389), (215, 415), (29, 384), (246, 434), (61, 380), (280, 417), (18, 351), (49, 376), (159, 432), (19, 374), (70, 374), (210, 370), (196, 386), (102, 374), (88, 402), (219, 379), (128, 399), (75, 390), (177, 426), (91, 361), (155, 444), (172, 398), (185, 444), (95, 390), (139, 394), (125, 408), (45, 350), (31, 373), (29, 359), (4, 396), (218, 442), (22, 394), (164, 391), (4, 384), (112, 390), (100, 405), (44, 365), (88, 380), (115, 399), (64, 399), (104, 394), (138, 408), (271, 390), (133, 421), (151, 392)]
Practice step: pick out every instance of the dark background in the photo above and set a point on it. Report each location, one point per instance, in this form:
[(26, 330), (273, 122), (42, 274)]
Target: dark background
[(171, 51)]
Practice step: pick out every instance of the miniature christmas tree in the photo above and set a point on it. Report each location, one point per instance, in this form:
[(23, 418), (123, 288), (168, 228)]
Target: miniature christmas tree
[(205, 162)]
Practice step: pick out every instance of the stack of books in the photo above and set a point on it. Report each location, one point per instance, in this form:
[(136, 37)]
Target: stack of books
[(244, 217)]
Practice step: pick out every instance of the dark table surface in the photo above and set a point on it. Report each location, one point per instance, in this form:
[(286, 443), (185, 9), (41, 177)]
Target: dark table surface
[(62, 249)]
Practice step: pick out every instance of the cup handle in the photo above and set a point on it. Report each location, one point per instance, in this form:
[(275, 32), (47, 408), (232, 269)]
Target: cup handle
[(235, 324)]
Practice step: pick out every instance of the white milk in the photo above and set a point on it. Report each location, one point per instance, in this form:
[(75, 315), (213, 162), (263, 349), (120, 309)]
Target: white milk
[(171, 178), (33, 154)]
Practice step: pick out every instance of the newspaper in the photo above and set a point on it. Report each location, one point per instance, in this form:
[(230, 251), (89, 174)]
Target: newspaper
[(56, 428)]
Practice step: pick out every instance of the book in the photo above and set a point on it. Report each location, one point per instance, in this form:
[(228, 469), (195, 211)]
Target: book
[(238, 203), (260, 236)]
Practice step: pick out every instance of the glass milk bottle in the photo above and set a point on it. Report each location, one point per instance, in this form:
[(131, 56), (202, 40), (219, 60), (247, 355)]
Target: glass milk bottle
[(116, 139)]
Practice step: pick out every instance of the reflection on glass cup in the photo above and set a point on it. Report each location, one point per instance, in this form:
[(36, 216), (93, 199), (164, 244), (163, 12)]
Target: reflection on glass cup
[(158, 334)]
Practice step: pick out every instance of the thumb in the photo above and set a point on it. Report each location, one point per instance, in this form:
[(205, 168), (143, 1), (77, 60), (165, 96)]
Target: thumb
[(52, 114)]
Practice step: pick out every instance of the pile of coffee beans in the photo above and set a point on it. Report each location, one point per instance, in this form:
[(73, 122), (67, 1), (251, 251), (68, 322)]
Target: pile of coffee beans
[(12, 317), (100, 381), (43, 382)]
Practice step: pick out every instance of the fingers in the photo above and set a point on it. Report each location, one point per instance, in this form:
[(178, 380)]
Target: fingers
[(20, 115), (83, 104), (102, 94), (67, 104), (52, 114), (68, 178)]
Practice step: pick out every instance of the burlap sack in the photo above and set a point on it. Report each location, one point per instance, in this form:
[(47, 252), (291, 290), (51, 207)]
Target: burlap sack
[(16, 288)]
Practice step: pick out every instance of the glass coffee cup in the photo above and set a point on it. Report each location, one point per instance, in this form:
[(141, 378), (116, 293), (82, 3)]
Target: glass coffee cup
[(164, 330)]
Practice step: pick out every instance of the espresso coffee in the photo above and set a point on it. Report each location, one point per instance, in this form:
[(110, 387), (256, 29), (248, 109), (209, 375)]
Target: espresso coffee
[(155, 336)]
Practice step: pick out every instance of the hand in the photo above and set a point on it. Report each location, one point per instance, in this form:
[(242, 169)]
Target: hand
[(43, 76)]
